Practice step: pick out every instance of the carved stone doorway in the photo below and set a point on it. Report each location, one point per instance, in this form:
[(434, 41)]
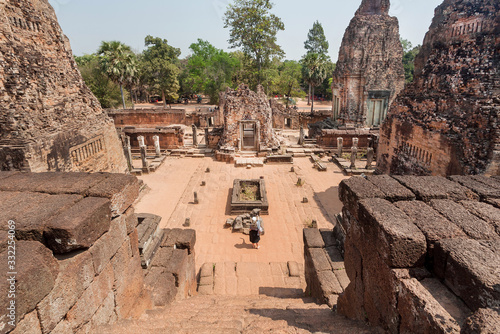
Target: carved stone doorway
[(249, 135)]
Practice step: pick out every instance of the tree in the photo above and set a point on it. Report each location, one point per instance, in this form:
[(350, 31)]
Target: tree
[(316, 43), (409, 55), (118, 62), (290, 74), (254, 29), (160, 67), (105, 90), (210, 70), (314, 70)]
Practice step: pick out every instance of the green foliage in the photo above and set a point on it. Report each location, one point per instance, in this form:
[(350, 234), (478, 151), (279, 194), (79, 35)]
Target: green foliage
[(106, 91), (314, 70), (118, 62), (160, 69), (290, 72), (316, 41), (409, 55), (210, 70), (254, 29)]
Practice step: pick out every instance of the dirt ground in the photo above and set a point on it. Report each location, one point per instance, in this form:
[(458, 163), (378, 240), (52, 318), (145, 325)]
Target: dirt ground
[(171, 196)]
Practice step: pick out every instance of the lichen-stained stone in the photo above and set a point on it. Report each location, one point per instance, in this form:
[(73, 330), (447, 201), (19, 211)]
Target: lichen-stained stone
[(431, 187), (392, 189), (122, 190), (433, 225), (312, 238), (421, 307), (471, 270), (483, 321), (485, 211), (398, 240), (473, 226), (34, 276), (79, 226), (445, 121), (75, 275), (51, 120), (355, 188), (28, 325)]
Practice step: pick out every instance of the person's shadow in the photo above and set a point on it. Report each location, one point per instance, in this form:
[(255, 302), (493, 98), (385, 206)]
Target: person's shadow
[(243, 244)]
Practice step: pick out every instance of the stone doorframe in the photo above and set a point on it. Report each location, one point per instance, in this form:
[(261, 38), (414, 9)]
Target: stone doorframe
[(256, 137)]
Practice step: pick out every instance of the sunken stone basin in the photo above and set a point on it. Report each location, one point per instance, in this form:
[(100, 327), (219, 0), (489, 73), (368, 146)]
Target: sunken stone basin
[(248, 195)]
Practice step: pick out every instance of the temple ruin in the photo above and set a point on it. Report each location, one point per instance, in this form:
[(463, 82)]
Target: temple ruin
[(49, 119), (369, 71), (445, 121)]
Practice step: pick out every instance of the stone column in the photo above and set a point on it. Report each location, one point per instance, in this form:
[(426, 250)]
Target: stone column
[(206, 137), (195, 139), (145, 163), (355, 142), (369, 158), (340, 143), (128, 153), (354, 152), (301, 135), (157, 146), (140, 139)]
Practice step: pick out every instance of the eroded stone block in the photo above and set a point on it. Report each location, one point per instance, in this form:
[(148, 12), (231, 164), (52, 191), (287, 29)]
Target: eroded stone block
[(392, 189), (312, 238)]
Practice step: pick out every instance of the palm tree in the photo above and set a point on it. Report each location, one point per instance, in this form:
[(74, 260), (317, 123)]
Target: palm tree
[(118, 62), (314, 70)]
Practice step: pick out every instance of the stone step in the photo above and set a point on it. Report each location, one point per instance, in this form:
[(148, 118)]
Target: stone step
[(237, 314)]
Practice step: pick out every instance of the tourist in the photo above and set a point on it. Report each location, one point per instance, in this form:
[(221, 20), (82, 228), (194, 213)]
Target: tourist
[(255, 231)]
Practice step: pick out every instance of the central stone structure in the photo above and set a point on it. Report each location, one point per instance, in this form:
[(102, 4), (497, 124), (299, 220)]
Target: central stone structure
[(248, 195), (248, 121), (49, 119), (369, 72)]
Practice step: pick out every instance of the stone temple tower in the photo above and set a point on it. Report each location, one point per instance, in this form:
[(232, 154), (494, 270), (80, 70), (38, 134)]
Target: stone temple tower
[(369, 72), (49, 119), (446, 121)]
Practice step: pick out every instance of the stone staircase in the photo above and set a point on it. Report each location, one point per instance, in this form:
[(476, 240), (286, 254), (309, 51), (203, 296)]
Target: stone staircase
[(239, 315)]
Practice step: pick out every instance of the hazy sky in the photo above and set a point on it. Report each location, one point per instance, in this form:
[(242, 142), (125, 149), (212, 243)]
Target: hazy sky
[(182, 22)]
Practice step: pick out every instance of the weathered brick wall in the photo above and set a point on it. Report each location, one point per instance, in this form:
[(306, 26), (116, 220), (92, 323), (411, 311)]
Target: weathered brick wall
[(170, 138), (329, 137), (244, 104), (422, 252), (451, 109), (370, 59), (46, 109), (147, 118)]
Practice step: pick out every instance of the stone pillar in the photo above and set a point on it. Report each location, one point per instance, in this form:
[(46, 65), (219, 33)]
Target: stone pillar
[(369, 158), (128, 153), (145, 165), (340, 143), (355, 142), (195, 139), (140, 139), (301, 135), (354, 152), (206, 137), (157, 146)]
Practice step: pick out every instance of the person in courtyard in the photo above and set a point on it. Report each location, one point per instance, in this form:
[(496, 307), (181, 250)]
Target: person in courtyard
[(255, 231)]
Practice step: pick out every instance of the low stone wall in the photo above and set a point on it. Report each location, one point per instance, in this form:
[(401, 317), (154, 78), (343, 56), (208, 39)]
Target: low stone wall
[(77, 261), (328, 137), (325, 275), (422, 253)]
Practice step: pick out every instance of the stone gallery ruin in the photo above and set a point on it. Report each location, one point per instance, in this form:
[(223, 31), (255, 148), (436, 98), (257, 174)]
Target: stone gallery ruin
[(412, 245)]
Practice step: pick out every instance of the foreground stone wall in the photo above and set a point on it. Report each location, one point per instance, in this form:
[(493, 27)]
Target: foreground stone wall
[(49, 119), (80, 251), (445, 121), (422, 253), (369, 71)]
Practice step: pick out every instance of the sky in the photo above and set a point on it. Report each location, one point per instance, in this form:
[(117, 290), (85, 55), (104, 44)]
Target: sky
[(183, 22)]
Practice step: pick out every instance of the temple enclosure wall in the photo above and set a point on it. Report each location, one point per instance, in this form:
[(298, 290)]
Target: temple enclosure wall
[(446, 121), (159, 117), (422, 253), (49, 119), (83, 257)]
